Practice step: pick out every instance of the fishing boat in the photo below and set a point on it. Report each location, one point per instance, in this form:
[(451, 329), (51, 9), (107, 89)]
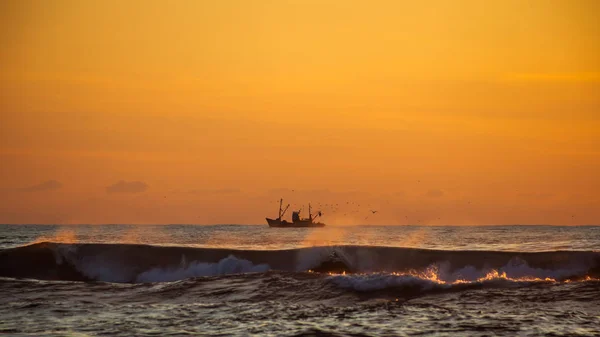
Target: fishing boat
[(297, 221)]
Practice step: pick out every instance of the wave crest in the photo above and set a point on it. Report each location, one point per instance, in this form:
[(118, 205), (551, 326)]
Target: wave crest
[(143, 263)]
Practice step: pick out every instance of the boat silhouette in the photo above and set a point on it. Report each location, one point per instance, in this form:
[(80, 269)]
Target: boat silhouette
[(297, 221)]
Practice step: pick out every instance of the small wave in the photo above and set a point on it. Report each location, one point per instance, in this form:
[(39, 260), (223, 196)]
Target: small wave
[(423, 282), (429, 280), (372, 282)]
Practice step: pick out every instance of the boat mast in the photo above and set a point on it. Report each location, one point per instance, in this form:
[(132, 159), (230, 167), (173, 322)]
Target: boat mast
[(280, 203)]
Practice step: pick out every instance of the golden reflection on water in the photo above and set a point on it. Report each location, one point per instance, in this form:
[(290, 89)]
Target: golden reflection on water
[(431, 274), (62, 235)]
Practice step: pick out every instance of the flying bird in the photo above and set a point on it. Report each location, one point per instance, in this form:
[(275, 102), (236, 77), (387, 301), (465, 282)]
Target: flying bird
[(372, 211)]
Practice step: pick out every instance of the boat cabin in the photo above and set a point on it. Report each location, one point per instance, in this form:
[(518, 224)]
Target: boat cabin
[(295, 216)]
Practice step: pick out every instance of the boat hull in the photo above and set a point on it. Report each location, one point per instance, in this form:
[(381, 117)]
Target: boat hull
[(296, 224)]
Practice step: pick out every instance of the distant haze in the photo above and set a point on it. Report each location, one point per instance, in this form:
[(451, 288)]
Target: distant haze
[(441, 112)]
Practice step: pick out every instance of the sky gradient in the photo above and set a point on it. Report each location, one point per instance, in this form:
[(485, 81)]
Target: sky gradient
[(437, 112)]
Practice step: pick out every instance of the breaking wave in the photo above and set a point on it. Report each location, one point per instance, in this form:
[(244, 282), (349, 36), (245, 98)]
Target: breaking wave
[(358, 268), (228, 265)]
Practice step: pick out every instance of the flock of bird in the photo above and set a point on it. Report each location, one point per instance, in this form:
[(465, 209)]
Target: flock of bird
[(352, 208), (349, 208), (355, 209)]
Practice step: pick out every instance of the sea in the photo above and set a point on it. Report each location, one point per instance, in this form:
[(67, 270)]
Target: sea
[(252, 280)]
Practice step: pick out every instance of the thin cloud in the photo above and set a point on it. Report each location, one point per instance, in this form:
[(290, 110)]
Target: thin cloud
[(536, 195), (573, 77), (216, 191), (435, 193), (49, 185), (400, 194), (127, 187)]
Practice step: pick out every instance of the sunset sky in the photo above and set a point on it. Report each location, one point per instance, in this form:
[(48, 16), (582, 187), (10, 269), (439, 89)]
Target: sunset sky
[(431, 112)]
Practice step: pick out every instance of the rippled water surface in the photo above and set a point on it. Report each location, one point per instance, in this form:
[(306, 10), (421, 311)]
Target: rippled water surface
[(122, 280), (501, 238)]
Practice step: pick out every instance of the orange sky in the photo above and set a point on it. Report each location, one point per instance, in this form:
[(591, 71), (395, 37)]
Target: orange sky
[(437, 112)]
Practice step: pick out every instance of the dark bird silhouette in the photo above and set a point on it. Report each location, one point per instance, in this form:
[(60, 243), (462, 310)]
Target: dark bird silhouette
[(372, 211)]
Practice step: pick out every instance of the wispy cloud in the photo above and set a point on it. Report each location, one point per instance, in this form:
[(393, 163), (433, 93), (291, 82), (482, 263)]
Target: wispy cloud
[(593, 77), (49, 185), (127, 187), (215, 191), (536, 195), (435, 193)]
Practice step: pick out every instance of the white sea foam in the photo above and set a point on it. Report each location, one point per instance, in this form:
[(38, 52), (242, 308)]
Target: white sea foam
[(228, 265)]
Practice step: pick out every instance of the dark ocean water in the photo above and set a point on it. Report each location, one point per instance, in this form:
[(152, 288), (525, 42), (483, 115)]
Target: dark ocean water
[(176, 280)]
